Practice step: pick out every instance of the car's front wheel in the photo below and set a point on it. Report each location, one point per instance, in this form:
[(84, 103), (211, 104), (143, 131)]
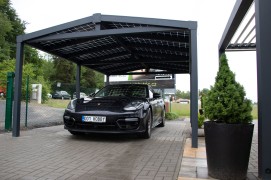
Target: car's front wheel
[(147, 133)]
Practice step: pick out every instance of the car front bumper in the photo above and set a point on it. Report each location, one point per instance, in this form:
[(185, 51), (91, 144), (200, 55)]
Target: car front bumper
[(125, 122)]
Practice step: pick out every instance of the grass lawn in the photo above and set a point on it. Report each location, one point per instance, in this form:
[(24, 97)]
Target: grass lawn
[(183, 110), (57, 103), (254, 112)]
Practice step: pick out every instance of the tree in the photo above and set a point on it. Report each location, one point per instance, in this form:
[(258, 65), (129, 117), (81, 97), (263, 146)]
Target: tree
[(64, 71), (99, 80), (91, 78), (182, 94), (226, 100), (9, 66), (6, 27), (13, 26), (202, 93), (88, 78), (48, 69)]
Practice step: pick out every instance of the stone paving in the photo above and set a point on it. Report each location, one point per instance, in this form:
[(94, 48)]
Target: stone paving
[(53, 153), (194, 163), (38, 115)]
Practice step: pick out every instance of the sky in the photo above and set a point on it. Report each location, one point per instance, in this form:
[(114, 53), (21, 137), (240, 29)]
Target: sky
[(211, 15)]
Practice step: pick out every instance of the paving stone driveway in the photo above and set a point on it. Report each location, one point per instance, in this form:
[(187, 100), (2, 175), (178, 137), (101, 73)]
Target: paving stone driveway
[(52, 153)]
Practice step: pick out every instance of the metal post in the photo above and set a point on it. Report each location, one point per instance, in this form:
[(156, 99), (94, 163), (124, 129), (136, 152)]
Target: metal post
[(194, 88), (107, 80), (263, 29), (26, 100), (17, 89), (9, 99), (78, 78)]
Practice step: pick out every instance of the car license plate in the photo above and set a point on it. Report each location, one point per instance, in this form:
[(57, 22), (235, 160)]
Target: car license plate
[(97, 119)]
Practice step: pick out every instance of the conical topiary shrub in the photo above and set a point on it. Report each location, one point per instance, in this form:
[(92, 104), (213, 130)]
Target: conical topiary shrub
[(226, 100), (228, 134)]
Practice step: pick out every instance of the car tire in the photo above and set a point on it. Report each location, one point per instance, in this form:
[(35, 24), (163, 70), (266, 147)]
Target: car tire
[(163, 123), (76, 133), (147, 133)]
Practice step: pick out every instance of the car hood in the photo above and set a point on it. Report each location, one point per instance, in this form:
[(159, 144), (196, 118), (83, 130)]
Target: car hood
[(112, 103)]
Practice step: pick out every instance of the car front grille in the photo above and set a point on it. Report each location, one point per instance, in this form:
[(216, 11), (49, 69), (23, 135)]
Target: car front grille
[(112, 124)]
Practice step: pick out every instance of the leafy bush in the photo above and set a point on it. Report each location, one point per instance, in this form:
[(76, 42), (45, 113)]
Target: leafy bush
[(201, 119), (171, 116), (226, 100)]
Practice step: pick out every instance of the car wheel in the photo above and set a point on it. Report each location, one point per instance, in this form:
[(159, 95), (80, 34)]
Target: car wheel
[(76, 133), (147, 133), (162, 124)]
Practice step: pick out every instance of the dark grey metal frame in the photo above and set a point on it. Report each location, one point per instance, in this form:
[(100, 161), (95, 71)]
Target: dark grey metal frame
[(156, 25), (263, 29)]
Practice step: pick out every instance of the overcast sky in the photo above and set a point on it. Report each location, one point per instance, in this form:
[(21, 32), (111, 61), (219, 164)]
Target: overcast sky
[(211, 15)]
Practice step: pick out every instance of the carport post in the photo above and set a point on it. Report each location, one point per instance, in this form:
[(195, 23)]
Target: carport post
[(263, 28), (194, 88), (18, 87), (78, 78), (107, 80)]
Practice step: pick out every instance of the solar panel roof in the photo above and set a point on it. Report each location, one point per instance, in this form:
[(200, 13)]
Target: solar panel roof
[(116, 45)]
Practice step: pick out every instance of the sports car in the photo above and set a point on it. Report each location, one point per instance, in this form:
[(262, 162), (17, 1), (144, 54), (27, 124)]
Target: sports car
[(121, 108)]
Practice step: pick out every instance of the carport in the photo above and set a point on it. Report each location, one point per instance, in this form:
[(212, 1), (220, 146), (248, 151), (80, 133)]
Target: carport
[(118, 45), (246, 41)]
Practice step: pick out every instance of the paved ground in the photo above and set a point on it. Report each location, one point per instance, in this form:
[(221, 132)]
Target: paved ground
[(52, 153), (194, 163), (38, 115)]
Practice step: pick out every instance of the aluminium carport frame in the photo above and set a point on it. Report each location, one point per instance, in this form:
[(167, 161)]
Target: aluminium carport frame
[(176, 54), (263, 38)]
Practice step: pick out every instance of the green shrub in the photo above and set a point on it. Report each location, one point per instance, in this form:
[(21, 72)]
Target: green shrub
[(171, 116), (201, 119), (226, 100)]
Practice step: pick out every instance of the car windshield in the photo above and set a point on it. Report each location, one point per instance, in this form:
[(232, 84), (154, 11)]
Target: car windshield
[(123, 90), (63, 92)]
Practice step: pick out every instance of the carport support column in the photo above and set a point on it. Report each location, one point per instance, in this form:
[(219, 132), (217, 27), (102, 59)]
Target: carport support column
[(194, 88), (263, 29), (18, 87), (78, 79), (107, 80)]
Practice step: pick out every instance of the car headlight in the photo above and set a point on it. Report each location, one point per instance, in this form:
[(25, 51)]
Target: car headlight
[(135, 105), (72, 104)]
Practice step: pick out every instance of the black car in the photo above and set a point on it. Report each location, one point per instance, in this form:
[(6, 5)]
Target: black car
[(122, 108), (61, 95)]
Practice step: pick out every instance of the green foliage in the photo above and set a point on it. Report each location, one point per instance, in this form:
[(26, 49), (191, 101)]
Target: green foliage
[(181, 94), (99, 80), (5, 67), (202, 93), (226, 100), (12, 27), (171, 116), (65, 71), (201, 119), (5, 28), (47, 69), (88, 78), (9, 66)]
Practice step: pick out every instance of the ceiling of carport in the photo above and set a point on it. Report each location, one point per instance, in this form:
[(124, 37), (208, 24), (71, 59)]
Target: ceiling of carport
[(119, 45)]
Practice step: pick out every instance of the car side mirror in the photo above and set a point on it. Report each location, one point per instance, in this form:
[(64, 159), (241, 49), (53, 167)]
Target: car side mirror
[(156, 95)]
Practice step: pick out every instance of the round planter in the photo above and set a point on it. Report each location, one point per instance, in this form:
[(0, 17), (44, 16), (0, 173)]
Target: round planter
[(228, 149)]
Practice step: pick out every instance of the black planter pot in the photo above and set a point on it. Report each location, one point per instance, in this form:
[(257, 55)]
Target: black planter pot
[(228, 149)]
